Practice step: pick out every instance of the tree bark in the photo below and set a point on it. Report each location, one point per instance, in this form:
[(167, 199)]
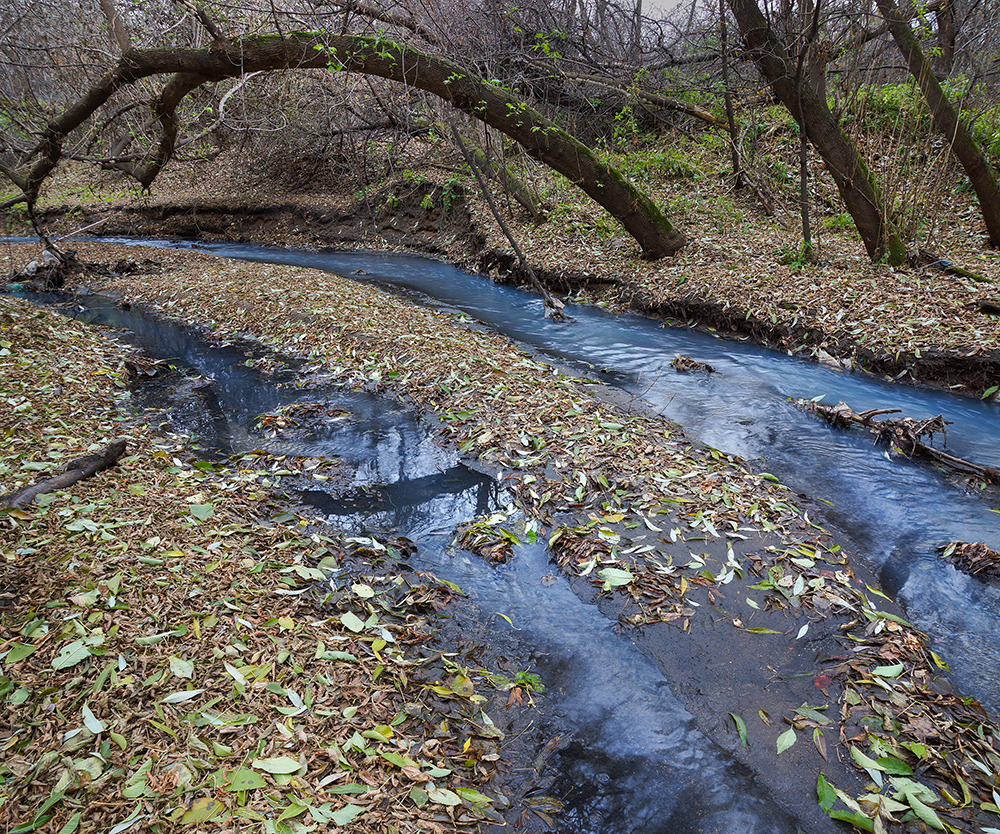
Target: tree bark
[(117, 32), (947, 121), (856, 184), (493, 105), (734, 133)]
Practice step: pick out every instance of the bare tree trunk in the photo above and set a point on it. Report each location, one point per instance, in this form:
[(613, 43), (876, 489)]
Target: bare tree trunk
[(116, 26), (810, 29), (947, 121), (637, 33), (493, 105), (947, 32), (856, 184)]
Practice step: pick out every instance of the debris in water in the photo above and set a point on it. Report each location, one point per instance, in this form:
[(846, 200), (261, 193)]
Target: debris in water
[(973, 557)]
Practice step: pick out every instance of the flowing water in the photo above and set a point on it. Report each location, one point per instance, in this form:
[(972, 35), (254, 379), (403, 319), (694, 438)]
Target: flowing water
[(894, 513), (637, 762)]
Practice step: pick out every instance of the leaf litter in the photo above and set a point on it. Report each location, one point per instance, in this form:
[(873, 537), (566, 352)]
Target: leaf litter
[(626, 503), (176, 654)]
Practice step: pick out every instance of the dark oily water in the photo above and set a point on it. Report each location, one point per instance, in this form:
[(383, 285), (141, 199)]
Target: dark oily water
[(894, 513), (636, 761)]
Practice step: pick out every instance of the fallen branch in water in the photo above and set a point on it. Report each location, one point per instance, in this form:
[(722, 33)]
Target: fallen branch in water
[(901, 433), (67, 475)]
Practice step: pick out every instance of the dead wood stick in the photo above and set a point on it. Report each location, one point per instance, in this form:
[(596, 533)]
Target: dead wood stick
[(902, 432), (71, 472), (553, 306), (875, 412)]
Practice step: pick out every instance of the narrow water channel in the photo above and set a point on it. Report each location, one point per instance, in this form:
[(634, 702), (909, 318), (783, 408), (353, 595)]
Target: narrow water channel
[(636, 760), (894, 514)]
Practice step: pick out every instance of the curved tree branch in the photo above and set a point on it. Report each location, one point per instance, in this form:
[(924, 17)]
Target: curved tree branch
[(487, 102)]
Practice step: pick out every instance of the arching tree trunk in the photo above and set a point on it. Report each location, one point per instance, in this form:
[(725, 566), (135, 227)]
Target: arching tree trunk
[(493, 105), (855, 182), (947, 121)]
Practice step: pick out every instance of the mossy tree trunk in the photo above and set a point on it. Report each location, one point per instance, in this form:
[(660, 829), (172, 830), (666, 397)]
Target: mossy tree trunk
[(190, 68), (947, 121), (856, 183)]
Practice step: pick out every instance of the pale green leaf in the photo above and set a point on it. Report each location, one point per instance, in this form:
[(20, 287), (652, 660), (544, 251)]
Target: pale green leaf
[(91, 721), (443, 796), (346, 815), (613, 578), (202, 511), (181, 696), (181, 668), (277, 765), (70, 654), (786, 740), (352, 621)]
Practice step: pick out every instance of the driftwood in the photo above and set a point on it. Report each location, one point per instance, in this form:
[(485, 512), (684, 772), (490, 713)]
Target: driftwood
[(67, 475), (973, 557), (685, 364), (901, 433)]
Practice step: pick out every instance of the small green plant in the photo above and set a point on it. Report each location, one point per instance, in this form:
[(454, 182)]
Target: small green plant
[(839, 222), (449, 194), (796, 257), (626, 128), (779, 170), (428, 201)]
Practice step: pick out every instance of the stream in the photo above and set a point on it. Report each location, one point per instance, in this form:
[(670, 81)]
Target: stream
[(637, 762), (894, 514)]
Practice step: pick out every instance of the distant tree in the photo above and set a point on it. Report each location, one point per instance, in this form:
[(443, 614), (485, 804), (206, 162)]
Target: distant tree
[(947, 120), (856, 183)]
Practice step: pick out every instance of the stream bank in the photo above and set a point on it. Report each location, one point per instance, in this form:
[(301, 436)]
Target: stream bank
[(548, 428), (914, 324)]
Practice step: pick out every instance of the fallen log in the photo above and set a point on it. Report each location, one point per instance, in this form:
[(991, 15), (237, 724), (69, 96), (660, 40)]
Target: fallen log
[(67, 475), (902, 434)]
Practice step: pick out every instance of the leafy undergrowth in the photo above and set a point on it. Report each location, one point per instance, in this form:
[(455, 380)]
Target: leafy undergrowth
[(565, 450), (177, 653)]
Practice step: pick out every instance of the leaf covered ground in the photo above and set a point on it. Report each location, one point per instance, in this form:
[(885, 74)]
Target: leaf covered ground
[(174, 653), (666, 536)]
